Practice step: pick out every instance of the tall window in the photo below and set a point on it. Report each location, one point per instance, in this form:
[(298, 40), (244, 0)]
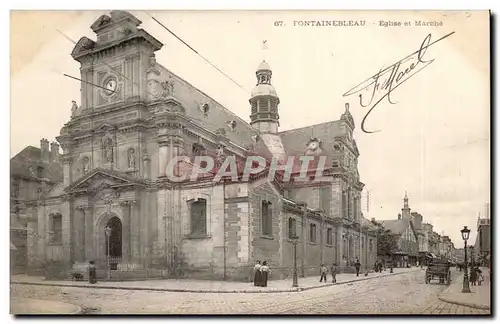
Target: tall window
[(267, 218), (329, 238), (55, 228), (292, 228), (198, 217), (370, 247), (312, 233)]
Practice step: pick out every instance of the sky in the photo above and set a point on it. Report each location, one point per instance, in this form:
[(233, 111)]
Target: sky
[(434, 141)]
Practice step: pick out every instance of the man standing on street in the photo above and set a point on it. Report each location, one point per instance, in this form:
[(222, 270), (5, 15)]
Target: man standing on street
[(334, 272), (323, 271), (357, 265)]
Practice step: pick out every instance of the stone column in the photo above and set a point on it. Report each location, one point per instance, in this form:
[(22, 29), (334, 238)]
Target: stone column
[(89, 233), (162, 152), (126, 233), (66, 231), (135, 231), (79, 234)]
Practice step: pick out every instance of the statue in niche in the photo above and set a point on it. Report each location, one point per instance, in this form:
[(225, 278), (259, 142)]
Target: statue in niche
[(86, 166), (108, 151), (74, 109), (168, 87), (131, 158)]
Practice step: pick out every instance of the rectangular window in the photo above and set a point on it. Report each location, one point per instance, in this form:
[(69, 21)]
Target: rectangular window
[(292, 228), (312, 233), (198, 217), (55, 228), (329, 238), (267, 218)]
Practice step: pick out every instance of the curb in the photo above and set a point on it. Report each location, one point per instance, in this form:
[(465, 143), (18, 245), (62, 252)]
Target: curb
[(472, 305), (442, 297), (299, 289)]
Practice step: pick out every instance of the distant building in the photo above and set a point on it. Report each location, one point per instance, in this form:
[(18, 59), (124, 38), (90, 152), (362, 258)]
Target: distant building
[(32, 171), (483, 240), (404, 228)]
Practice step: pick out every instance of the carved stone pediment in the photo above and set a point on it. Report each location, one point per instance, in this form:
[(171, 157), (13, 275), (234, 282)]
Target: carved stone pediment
[(99, 180)]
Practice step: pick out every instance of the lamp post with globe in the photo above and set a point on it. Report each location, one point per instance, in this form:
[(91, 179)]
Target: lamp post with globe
[(465, 236), (295, 274)]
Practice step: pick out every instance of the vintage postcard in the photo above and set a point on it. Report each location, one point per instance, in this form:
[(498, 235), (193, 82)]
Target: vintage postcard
[(250, 162)]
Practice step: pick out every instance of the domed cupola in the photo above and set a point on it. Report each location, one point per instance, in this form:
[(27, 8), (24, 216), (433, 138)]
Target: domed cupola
[(264, 101)]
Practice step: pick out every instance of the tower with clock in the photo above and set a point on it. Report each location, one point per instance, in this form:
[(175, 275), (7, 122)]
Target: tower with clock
[(113, 68)]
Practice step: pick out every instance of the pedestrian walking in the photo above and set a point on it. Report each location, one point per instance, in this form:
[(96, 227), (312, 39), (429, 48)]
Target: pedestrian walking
[(480, 278), (264, 270), (323, 271), (473, 276), (92, 273), (257, 277), (357, 265), (333, 270)]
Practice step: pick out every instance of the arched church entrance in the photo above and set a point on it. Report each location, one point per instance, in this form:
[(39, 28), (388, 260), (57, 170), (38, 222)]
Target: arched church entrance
[(114, 241)]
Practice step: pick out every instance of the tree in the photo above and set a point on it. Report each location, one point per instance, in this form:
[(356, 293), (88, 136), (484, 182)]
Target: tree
[(387, 243)]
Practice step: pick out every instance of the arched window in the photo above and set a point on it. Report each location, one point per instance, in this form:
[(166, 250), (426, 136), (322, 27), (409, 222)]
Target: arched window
[(198, 217), (266, 218)]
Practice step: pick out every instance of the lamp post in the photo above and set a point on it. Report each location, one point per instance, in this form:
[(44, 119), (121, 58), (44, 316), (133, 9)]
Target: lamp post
[(295, 273), (107, 231), (392, 262), (465, 236)]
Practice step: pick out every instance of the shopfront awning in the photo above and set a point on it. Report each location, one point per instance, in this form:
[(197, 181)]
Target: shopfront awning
[(431, 256), (12, 247)]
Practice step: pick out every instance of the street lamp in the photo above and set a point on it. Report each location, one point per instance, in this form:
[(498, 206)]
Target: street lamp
[(107, 231), (465, 236), (295, 274)]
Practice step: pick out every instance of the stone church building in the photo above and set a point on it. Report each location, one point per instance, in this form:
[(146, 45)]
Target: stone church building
[(115, 201)]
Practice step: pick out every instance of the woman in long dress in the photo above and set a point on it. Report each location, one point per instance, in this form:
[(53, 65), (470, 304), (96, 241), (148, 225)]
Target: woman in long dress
[(265, 273), (257, 278)]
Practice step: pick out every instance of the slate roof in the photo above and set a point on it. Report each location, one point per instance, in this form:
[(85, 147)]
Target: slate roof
[(295, 140), (31, 156), (396, 226)]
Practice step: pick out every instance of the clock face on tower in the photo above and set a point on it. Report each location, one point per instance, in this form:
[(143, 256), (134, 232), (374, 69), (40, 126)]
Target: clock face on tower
[(110, 85)]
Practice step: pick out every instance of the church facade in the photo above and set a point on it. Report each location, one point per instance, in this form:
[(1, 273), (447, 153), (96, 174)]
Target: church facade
[(116, 201)]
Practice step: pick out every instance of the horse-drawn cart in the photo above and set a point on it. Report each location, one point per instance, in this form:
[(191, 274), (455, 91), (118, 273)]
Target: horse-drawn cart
[(438, 269)]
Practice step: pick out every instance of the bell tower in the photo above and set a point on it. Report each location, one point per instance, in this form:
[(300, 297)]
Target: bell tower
[(264, 102), (113, 68)]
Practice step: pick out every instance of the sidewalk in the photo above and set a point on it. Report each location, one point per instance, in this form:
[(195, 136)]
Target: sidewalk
[(28, 306), (207, 286), (478, 298)]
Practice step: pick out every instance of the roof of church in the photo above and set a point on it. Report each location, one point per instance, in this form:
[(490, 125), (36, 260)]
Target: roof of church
[(396, 226), (218, 116), (295, 140)]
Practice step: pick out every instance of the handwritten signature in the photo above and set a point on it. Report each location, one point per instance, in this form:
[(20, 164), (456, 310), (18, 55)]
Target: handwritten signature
[(397, 74)]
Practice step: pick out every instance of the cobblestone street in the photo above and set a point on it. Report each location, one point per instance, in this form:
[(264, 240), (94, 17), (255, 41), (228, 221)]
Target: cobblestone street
[(401, 294)]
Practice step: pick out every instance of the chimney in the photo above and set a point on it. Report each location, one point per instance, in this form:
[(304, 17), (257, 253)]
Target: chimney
[(399, 216), (54, 152), (44, 147), (373, 219)]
